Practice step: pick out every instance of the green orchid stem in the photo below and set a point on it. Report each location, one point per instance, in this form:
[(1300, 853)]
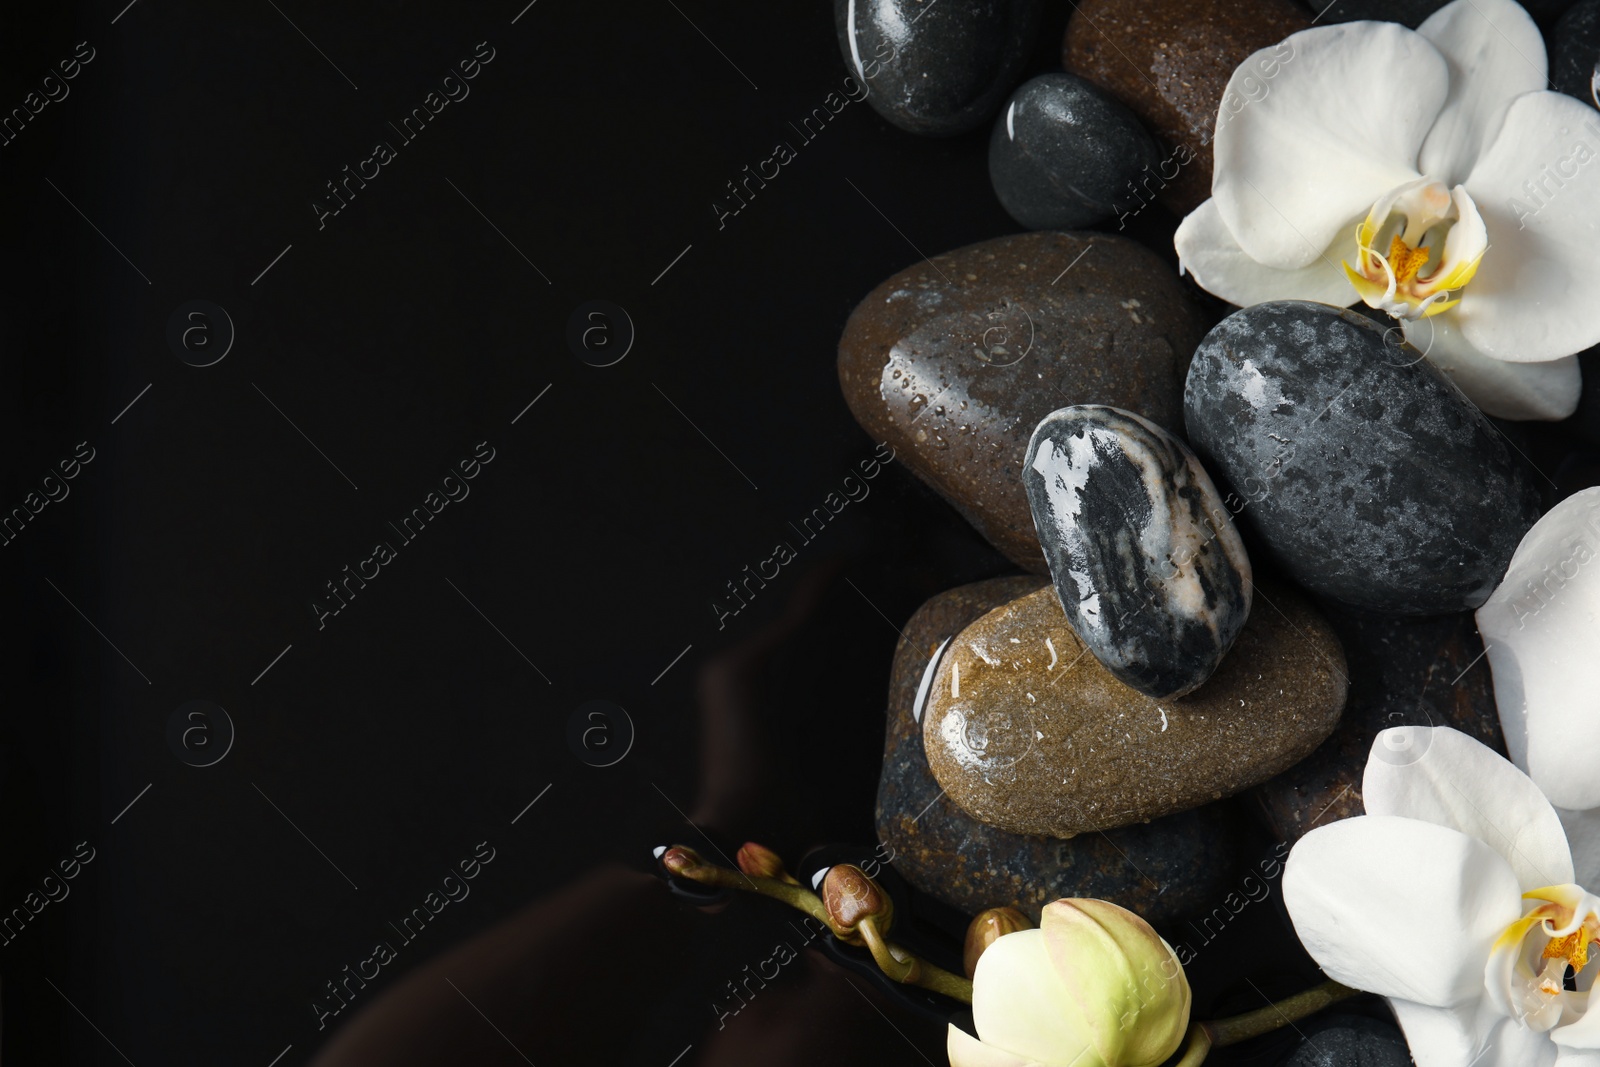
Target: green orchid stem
[(794, 895), (1217, 1033), (902, 966)]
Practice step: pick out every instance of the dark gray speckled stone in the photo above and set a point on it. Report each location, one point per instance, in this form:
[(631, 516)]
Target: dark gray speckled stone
[(1064, 154), (1150, 571), (1368, 475), (1352, 1041), (1575, 51)]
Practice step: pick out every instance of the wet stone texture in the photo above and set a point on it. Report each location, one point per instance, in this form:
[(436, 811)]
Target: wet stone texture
[(936, 69), (1170, 61), (1029, 733), (1146, 562), (1403, 672), (1163, 869), (954, 361), (1366, 473), (1064, 154)]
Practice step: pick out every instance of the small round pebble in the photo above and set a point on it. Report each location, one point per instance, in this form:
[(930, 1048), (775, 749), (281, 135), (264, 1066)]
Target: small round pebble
[(1064, 154)]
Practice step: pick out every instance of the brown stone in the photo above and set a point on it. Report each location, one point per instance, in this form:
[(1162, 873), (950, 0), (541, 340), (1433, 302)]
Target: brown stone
[(1162, 870), (954, 361), (1028, 732), (1403, 672), (1170, 61)]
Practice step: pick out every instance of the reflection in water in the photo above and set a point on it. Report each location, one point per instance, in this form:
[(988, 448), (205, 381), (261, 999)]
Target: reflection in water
[(574, 976)]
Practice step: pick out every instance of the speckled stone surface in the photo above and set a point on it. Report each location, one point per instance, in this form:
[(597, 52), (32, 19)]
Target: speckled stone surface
[(1163, 869), (1350, 1041), (955, 361), (936, 69), (1027, 732), (1150, 571), (1364, 471), (1575, 51), (1170, 61), (1403, 672), (1410, 13), (1065, 154)]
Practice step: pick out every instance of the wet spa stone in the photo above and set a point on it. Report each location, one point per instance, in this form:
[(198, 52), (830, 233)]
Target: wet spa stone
[(1029, 733), (936, 69), (954, 361), (1164, 869), (1170, 61), (1152, 575), (1403, 672), (1365, 471)]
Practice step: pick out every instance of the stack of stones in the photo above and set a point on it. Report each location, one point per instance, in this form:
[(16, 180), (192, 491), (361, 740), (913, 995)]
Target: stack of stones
[(1245, 541)]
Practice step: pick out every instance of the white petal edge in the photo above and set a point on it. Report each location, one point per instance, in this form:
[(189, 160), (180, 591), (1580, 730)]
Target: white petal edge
[(1399, 907), (1021, 1006), (1546, 391), (1442, 776), (1541, 628), (1536, 295), (1208, 252), (1316, 144), (965, 1050), (1495, 54), (1444, 1037)]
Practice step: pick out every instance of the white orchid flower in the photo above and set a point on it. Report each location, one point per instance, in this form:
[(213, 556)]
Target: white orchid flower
[(1541, 629), (1453, 897), (1428, 173)]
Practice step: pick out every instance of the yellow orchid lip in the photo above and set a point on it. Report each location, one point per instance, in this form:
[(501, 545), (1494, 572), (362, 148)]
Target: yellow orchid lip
[(1534, 975), (1436, 240)]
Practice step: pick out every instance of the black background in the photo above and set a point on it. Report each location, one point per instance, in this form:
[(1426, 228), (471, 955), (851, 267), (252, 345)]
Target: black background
[(380, 749)]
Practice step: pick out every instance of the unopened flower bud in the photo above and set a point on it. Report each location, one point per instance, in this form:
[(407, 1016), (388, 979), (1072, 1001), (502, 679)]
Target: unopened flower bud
[(1094, 986), (679, 860), (851, 898), (759, 861), (987, 928)]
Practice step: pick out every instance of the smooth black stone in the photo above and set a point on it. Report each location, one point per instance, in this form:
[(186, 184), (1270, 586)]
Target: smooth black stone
[(1148, 567), (1352, 1041), (1575, 51), (933, 68), (1367, 474), (1064, 154)]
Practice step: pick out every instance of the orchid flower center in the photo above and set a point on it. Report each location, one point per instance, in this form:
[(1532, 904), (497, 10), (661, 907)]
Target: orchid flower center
[(1417, 248), (1528, 965)]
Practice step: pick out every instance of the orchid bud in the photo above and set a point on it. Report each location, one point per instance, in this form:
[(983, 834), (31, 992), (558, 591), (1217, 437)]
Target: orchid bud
[(759, 861), (1094, 986), (987, 928), (679, 860), (852, 898)]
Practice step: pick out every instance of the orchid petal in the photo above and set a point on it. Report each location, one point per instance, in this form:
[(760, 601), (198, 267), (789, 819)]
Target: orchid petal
[(1208, 251), (1442, 776), (1575, 1057), (1399, 907), (1333, 130), (1495, 54), (1581, 1036), (965, 1050), (1541, 628), (1469, 1035), (1547, 391), (1017, 1004), (1536, 295)]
